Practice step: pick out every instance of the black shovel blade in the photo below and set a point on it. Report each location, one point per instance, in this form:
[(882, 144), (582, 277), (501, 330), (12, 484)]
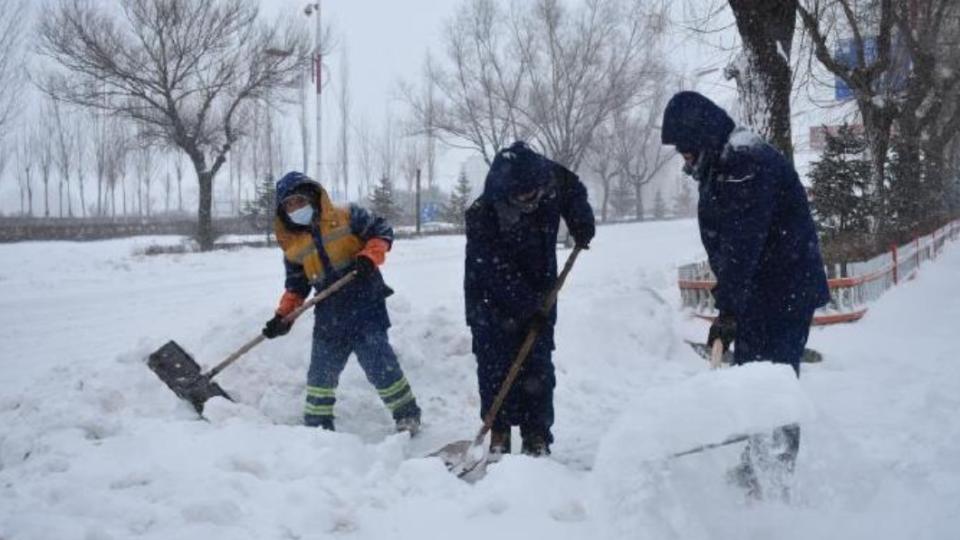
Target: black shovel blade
[(182, 374)]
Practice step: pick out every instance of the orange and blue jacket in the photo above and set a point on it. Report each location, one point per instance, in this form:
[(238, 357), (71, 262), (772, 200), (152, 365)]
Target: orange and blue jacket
[(316, 256)]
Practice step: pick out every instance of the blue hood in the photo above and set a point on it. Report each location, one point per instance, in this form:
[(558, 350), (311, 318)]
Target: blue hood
[(516, 169), (693, 123), (290, 182)]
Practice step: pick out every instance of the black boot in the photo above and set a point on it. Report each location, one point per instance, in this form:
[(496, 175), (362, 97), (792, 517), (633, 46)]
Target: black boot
[(536, 445), (324, 423), (499, 443), (409, 424)]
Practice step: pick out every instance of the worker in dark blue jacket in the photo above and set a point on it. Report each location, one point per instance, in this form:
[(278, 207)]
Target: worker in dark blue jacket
[(756, 226), (511, 265)]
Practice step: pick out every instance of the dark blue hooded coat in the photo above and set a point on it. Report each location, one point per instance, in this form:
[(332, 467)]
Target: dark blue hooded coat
[(755, 221), (511, 256)]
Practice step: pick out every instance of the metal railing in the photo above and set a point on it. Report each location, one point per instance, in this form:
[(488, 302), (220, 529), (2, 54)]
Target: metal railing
[(866, 281)]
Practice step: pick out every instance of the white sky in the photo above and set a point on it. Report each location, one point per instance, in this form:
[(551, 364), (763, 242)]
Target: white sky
[(386, 41)]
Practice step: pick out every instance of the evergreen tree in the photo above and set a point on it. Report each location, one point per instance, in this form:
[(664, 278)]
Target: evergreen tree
[(659, 206), (382, 200), (262, 210), (455, 210), (841, 198)]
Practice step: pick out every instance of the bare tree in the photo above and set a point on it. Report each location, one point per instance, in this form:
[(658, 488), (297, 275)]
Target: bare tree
[(639, 154), (189, 70), (411, 162), (178, 168), (5, 152), (26, 155), (63, 153), (81, 146), (101, 149), (40, 140), (542, 72), (480, 90), (365, 154), (602, 162), (424, 117), (583, 66), (388, 148), (12, 26), (167, 184), (144, 166), (929, 31), (115, 165)]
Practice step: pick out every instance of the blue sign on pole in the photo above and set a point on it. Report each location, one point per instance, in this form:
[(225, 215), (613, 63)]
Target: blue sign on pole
[(430, 212), (893, 81)]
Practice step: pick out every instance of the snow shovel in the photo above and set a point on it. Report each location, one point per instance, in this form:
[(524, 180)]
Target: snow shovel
[(467, 459), (810, 356), (182, 374)]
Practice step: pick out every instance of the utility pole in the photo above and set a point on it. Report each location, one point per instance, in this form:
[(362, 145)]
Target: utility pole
[(314, 7)]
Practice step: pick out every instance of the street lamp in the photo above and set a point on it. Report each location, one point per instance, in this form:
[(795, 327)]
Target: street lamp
[(309, 10)]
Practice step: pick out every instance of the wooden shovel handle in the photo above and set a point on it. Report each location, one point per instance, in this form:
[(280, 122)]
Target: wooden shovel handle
[(312, 301), (524, 351), (716, 354)]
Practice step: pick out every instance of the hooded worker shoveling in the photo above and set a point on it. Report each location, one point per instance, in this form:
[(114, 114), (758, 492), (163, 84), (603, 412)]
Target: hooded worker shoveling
[(326, 248), (511, 286)]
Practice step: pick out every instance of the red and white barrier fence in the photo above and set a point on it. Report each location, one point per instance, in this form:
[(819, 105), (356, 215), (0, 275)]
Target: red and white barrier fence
[(849, 296)]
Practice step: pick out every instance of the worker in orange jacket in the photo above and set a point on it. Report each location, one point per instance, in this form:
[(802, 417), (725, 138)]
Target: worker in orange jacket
[(321, 243)]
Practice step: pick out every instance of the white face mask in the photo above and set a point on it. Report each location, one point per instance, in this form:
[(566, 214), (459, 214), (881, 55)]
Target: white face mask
[(301, 216)]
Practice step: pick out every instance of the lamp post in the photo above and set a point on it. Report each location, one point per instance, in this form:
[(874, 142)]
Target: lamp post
[(311, 9)]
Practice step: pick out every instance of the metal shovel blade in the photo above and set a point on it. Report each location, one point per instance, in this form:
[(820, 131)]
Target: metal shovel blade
[(182, 374), (810, 356), (464, 459)]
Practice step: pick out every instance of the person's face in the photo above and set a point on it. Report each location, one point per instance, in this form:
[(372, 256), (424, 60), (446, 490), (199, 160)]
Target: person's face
[(294, 203), (689, 158)]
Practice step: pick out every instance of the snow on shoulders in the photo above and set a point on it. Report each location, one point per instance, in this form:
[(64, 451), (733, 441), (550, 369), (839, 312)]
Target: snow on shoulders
[(743, 138)]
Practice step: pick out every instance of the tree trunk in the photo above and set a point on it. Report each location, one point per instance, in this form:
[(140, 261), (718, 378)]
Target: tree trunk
[(877, 123), (763, 73), (205, 235), (69, 196), (100, 193), (83, 198), (606, 200), (46, 197), (638, 186)]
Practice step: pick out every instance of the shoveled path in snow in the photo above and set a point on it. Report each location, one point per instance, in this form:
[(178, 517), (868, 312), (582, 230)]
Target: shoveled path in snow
[(94, 446)]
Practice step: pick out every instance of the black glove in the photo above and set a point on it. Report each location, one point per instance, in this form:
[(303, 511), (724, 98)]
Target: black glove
[(364, 267), (723, 328), (276, 327), (581, 244)]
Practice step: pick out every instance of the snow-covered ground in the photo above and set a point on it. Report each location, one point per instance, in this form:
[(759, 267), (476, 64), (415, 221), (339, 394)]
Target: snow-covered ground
[(93, 446)]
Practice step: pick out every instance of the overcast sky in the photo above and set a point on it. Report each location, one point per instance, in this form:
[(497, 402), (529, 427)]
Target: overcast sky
[(385, 41)]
